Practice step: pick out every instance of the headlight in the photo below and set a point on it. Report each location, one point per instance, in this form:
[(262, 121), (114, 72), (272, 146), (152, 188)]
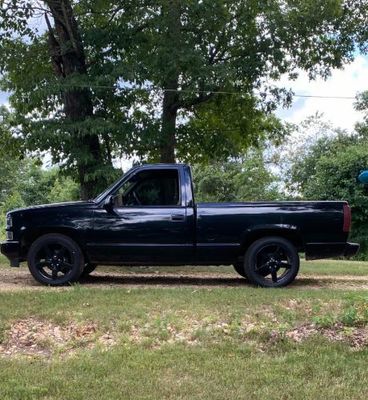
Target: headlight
[(9, 221)]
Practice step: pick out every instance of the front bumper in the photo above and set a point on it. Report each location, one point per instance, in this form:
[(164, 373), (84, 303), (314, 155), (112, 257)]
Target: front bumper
[(315, 251), (11, 249)]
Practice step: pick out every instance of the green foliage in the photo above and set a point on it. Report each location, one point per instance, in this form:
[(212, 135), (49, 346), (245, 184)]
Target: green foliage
[(225, 128), (231, 47), (11, 145), (351, 318), (55, 110), (38, 186), (248, 180), (28, 184), (25, 183), (63, 188), (354, 313), (324, 321), (194, 47), (329, 172)]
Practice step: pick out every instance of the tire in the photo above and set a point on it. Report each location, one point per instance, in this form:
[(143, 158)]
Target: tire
[(272, 262), (87, 270), (239, 268), (55, 260)]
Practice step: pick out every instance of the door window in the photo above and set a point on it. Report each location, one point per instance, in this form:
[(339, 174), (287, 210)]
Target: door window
[(150, 188)]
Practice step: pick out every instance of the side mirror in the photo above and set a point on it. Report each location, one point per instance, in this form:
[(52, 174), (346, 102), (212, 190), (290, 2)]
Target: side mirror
[(109, 203)]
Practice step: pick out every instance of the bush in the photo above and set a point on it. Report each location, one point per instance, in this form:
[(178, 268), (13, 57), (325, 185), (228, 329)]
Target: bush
[(331, 175), (25, 183), (248, 180)]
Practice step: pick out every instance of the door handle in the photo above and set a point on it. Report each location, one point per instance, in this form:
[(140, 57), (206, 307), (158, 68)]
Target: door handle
[(177, 217)]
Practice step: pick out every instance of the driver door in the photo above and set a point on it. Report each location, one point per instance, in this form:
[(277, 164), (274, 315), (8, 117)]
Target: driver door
[(148, 223)]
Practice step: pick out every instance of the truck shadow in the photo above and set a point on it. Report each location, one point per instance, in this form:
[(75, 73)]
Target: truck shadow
[(140, 280), (162, 280)]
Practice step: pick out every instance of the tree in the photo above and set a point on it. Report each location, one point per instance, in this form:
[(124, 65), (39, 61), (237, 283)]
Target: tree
[(222, 130), (329, 172), (294, 158), (161, 79), (199, 52), (64, 114), (10, 153), (24, 183), (239, 180), (67, 55)]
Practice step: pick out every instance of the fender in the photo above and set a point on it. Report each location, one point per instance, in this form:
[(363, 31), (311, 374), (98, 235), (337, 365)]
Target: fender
[(289, 232)]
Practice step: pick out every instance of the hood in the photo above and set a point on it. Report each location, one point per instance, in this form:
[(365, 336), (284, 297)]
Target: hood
[(53, 205)]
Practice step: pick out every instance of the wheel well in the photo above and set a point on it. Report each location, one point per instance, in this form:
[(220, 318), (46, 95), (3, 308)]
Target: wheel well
[(31, 236), (292, 236)]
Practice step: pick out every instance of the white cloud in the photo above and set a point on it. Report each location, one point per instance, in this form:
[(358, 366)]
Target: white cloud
[(344, 82)]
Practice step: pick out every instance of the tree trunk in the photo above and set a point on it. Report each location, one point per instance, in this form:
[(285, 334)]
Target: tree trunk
[(67, 55), (168, 127), (172, 11)]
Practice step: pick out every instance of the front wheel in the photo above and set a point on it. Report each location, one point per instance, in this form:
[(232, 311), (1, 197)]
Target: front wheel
[(55, 259), (272, 262)]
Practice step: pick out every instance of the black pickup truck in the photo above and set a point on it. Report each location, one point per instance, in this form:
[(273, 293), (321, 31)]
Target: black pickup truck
[(150, 217)]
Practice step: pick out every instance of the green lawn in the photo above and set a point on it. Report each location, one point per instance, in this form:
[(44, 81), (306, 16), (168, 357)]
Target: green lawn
[(333, 267), (185, 342)]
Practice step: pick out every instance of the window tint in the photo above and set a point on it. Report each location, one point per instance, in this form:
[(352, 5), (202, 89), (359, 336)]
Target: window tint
[(150, 188)]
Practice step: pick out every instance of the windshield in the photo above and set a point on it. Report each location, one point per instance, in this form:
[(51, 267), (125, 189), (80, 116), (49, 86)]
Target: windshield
[(104, 193)]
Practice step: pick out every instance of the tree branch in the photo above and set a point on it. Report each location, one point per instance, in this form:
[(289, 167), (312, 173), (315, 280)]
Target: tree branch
[(195, 100), (55, 52)]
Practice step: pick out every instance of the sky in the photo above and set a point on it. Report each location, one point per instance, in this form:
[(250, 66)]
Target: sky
[(345, 82), (3, 98)]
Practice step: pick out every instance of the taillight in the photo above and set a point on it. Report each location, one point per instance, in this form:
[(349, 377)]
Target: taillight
[(347, 218)]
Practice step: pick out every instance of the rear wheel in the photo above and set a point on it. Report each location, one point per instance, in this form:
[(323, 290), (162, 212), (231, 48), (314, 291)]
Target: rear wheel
[(55, 259), (272, 262)]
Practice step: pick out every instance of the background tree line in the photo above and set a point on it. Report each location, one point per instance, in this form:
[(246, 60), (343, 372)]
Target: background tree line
[(164, 80)]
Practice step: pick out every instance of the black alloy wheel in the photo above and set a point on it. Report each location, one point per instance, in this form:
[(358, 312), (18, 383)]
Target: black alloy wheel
[(55, 259), (272, 262)]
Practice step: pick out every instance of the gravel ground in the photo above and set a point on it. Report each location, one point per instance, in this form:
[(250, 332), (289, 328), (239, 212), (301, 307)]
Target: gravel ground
[(13, 279)]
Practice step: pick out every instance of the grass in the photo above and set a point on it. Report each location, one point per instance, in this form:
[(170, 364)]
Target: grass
[(216, 359), (221, 372), (190, 343), (334, 267)]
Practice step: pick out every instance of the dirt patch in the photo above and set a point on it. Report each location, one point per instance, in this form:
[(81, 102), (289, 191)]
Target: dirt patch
[(302, 333), (340, 282), (355, 337), (16, 278), (191, 332), (33, 337), (20, 279)]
